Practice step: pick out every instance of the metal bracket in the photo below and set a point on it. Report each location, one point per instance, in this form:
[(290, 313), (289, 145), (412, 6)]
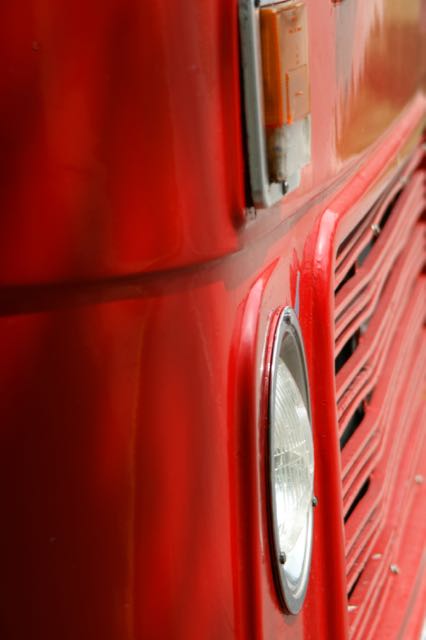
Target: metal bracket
[(264, 193)]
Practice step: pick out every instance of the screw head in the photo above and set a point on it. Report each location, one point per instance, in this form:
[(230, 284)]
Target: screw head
[(283, 557), (284, 187), (375, 229), (376, 556), (352, 607), (394, 569), (314, 501)]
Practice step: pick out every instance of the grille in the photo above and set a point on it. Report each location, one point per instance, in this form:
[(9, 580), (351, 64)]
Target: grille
[(380, 355)]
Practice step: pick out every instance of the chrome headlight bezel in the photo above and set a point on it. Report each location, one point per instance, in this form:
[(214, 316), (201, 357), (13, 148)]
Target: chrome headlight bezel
[(292, 571)]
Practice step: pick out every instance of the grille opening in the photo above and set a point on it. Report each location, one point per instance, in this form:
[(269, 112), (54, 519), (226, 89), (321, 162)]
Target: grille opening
[(353, 342), (346, 351), (352, 589), (355, 319), (350, 236), (364, 253), (364, 321), (350, 274), (355, 231), (374, 209), (367, 224), (354, 423), (361, 493), (385, 217)]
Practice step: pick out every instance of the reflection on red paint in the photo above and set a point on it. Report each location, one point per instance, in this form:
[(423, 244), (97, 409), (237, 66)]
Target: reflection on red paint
[(380, 68)]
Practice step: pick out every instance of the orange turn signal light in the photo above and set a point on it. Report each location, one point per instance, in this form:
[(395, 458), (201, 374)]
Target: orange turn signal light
[(284, 50)]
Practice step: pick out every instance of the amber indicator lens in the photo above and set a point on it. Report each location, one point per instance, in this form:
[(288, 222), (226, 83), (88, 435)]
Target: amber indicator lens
[(285, 71), (275, 64), (283, 29)]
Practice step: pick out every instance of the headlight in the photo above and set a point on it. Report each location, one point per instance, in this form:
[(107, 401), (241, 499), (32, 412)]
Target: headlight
[(291, 462)]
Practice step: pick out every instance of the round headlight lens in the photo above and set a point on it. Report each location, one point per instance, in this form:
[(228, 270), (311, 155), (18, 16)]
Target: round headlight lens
[(291, 461)]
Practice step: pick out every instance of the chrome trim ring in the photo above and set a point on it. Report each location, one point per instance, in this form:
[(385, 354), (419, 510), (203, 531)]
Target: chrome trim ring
[(292, 571)]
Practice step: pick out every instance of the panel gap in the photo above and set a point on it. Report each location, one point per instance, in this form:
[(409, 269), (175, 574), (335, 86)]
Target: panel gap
[(361, 493)]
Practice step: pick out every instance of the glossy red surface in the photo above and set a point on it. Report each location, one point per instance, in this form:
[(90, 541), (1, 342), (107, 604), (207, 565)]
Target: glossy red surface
[(401, 306), (132, 477), (120, 136)]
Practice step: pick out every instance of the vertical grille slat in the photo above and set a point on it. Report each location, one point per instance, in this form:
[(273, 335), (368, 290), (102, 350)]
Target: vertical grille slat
[(372, 588), (380, 355), (375, 449), (365, 365), (366, 446), (395, 294), (363, 234), (378, 262), (357, 528), (401, 275), (376, 510)]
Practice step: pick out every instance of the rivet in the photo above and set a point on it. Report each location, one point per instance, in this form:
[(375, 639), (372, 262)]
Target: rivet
[(283, 557), (419, 479), (352, 607), (375, 229), (284, 187), (314, 501), (376, 556), (394, 569)]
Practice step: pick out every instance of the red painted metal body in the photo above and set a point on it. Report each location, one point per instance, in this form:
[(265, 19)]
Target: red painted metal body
[(136, 293)]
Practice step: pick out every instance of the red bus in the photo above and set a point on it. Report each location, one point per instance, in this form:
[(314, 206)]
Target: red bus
[(212, 348)]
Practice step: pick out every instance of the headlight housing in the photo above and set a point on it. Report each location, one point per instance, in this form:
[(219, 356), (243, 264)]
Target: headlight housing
[(291, 462)]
